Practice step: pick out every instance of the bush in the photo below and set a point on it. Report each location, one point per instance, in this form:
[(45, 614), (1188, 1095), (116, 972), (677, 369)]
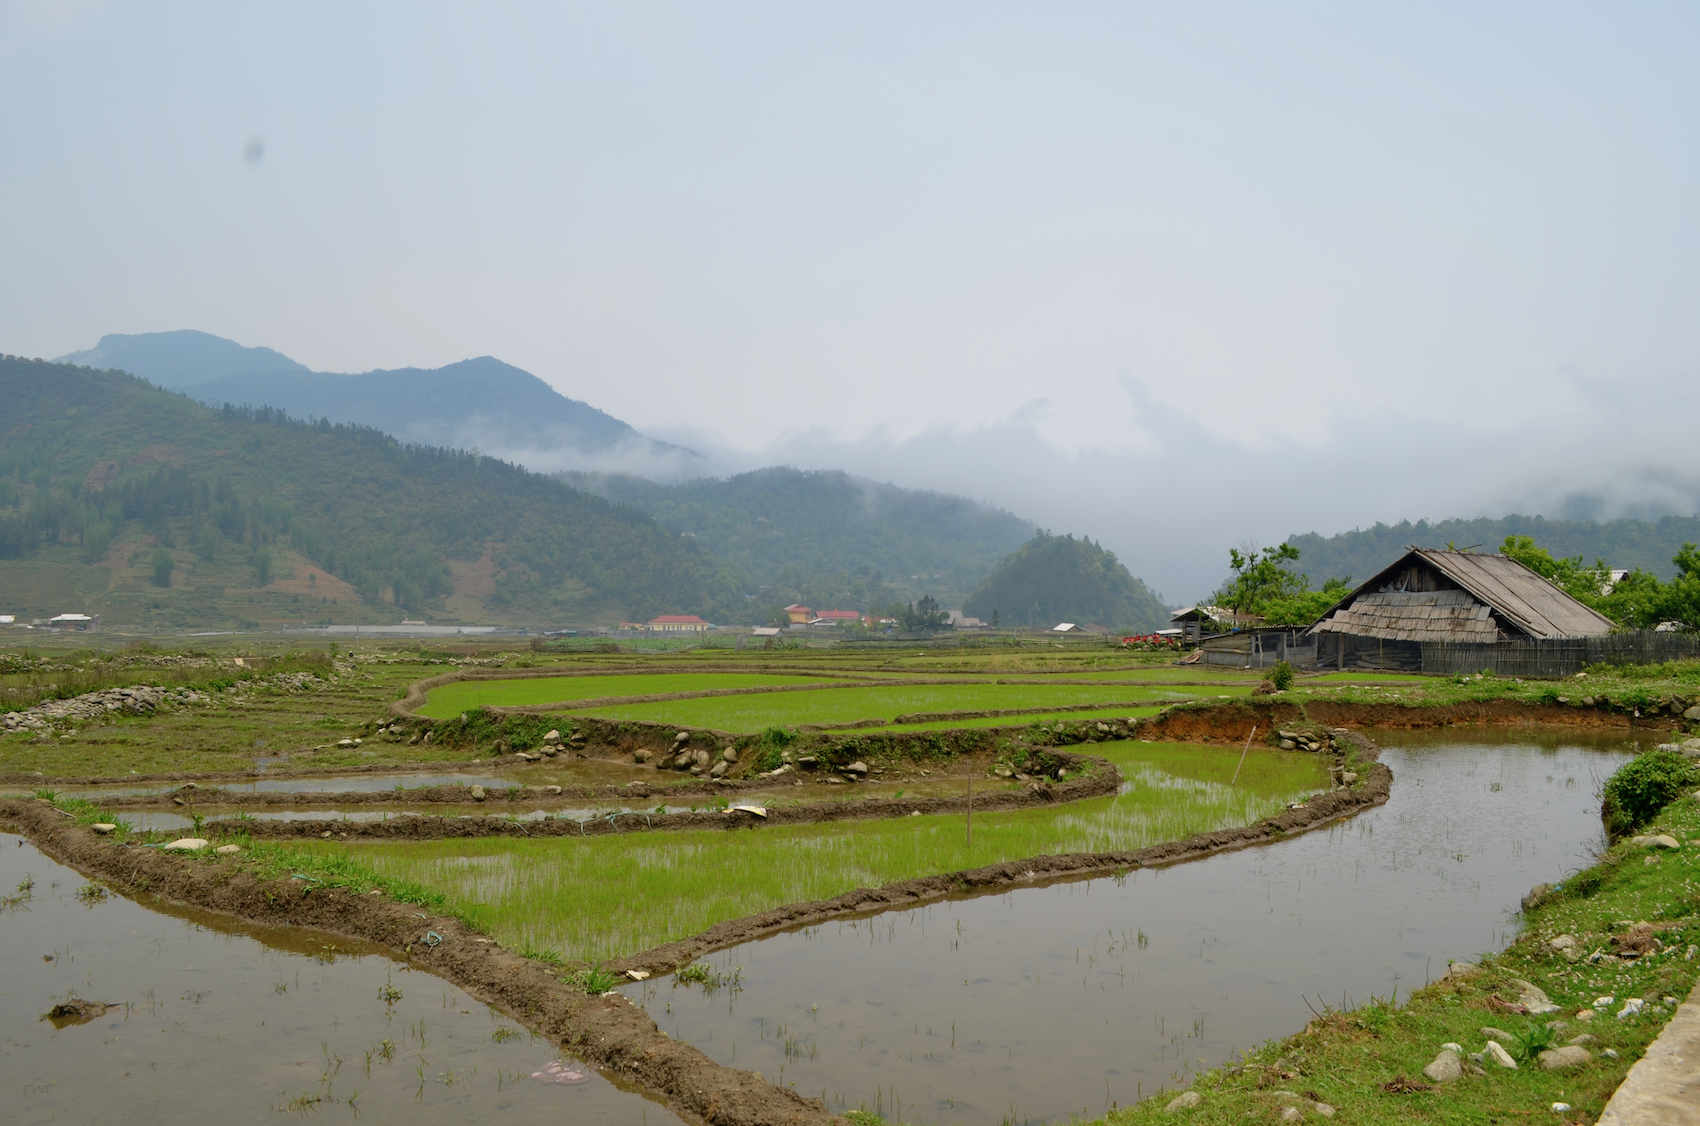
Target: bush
[(1642, 787), (1281, 676)]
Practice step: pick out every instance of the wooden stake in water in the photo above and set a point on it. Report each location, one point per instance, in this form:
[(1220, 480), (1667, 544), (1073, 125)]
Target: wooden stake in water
[(970, 811), (1248, 740)]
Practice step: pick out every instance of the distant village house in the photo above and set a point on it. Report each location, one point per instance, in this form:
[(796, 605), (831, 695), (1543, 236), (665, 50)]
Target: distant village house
[(678, 623)]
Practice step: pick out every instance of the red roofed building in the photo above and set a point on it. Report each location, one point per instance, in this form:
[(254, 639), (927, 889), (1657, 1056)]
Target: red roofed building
[(678, 623), (839, 617), (799, 614)]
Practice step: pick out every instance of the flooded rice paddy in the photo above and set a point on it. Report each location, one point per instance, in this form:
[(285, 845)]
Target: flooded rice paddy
[(211, 1020), (1050, 1001)]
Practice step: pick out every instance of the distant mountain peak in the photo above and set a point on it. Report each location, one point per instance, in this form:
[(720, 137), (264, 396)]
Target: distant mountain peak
[(182, 358), (481, 403)]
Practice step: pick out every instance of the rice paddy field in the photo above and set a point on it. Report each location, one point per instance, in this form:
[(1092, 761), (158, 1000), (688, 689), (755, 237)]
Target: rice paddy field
[(846, 703), (603, 897), (452, 699)]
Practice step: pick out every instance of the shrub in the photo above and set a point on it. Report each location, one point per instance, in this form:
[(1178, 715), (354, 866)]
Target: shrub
[(1281, 676), (1642, 787)]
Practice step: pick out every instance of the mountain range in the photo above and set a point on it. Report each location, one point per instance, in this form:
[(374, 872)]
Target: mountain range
[(477, 404)]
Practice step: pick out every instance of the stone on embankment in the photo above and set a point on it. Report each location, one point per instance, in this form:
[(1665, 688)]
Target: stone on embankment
[(640, 755), (1287, 745), (228, 850), (1566, 1058), (1348, 778), (1489, 1032), (1536, 894), (477, 793), (186, 844), (1446, 1068), (1563, 944), (1657, 840), (1533, 998), (730, 754), (1462, 969), (700, 757), (1186, 1100), (1291, 1114), (856, 768), (103, 828), (682, 737), (1499, 1055), (553, 736), (719, 770)]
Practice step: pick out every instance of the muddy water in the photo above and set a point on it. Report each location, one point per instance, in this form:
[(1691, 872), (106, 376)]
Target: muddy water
[(214, 1022), (1050, 1001)]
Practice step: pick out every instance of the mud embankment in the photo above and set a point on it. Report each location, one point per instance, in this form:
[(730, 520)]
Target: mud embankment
[(427, 827), (1232, 722)]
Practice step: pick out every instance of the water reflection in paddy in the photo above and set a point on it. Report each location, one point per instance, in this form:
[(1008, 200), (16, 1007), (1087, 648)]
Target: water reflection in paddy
[(1043, 1002), (220, 1023)]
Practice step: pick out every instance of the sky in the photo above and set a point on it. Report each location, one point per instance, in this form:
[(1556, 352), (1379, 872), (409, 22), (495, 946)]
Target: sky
[(1176, 277)]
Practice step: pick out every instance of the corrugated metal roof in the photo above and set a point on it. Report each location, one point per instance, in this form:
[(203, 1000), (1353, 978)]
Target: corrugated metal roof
[(1490, 585)]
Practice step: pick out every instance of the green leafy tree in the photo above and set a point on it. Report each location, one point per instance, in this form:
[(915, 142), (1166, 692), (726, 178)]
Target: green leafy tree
[(923, 614)]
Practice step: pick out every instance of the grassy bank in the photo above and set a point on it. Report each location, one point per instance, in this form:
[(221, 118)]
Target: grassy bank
[(1368, 1063), (608, 896), (452, 699)]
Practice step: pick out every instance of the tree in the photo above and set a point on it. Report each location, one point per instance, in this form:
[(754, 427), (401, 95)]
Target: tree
[(923, 615), (162, 564), (1260, 577)]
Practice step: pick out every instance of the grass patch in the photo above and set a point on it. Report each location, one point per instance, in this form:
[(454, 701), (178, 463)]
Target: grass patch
[(452, 699), (1368, 1062), (1366, 678), (609, 896)]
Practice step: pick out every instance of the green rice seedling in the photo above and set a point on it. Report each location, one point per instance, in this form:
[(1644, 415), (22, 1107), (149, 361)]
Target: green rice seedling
[(606, 896), (460, 696)]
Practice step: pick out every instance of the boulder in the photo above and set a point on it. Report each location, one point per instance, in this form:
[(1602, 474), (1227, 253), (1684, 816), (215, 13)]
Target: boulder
[(730, 754), (1446, 1068), (477, 793), (228, 850), (552, 790), (682, 737), (1287, 745), (1347, 778), (719, 769), (857, 768), (1462, 969), (1489, 1032), (682, 760), (1566, 1058), (1499, 1055), (1692, 713), (1186, 1100), (700, 757), (640, 755), (103, 828), (554, 736), (1536, 894), (185, 844)]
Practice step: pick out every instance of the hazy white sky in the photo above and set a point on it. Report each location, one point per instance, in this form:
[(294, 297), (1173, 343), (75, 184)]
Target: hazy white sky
[(1153, 250)]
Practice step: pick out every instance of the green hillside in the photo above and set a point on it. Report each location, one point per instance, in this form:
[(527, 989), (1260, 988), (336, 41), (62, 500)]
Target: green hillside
[(827, 539), (1625, 544), (141, 505), (1052, 579)]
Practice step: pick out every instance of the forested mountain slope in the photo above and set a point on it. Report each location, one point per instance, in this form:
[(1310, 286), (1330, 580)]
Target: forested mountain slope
[(119, 498), (1624, 544), (1053, 579), (825, 538)]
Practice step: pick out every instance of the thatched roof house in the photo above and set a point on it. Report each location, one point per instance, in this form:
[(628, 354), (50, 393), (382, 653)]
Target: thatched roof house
[(1460, 596)]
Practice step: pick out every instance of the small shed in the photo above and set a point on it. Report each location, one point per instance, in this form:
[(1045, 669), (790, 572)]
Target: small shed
[(1430, 596), (1067, 627)]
